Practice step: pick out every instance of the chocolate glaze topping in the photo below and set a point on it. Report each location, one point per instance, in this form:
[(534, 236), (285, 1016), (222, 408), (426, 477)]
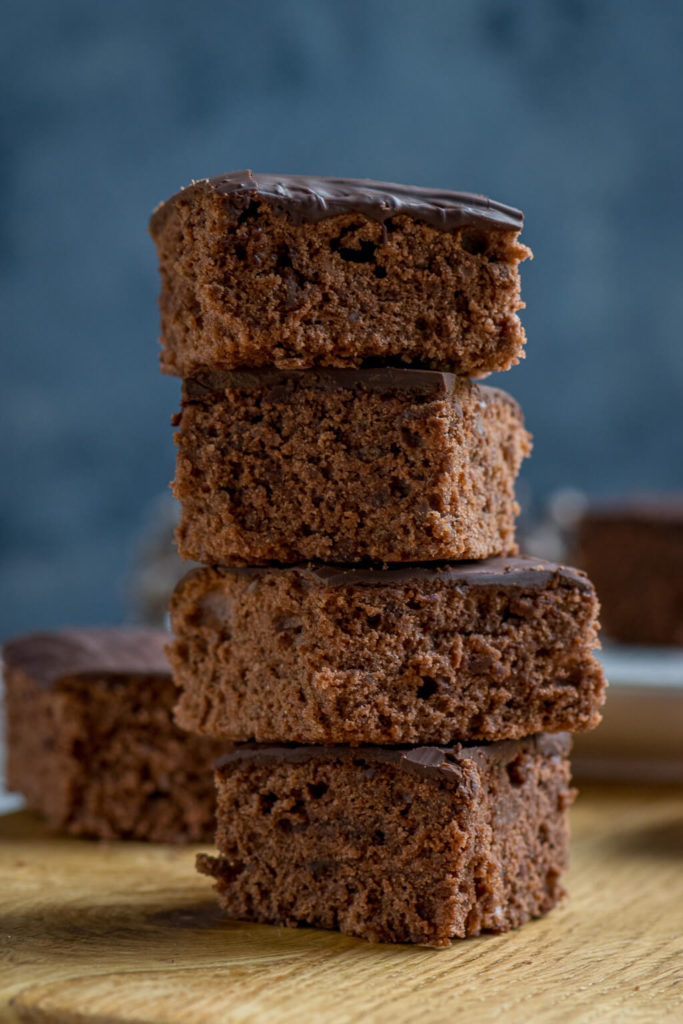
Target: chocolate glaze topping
[(281, 385), (48, 658), (522, 571), (210, 383), (444, 764), (310, 199)]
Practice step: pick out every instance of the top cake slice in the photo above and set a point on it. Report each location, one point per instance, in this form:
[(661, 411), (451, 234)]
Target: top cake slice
[(293, 272)]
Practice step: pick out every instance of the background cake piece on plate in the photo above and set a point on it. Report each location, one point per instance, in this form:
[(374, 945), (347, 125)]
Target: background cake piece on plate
[(395, 845), (91, 740), (633, 550), (346, 465), (277, 270)]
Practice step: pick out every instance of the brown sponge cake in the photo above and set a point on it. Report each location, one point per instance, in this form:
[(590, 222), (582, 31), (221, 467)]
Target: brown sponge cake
[(280, 270), (633, 549), (346, 465), (91, 740), (395, 845), (486, 650)]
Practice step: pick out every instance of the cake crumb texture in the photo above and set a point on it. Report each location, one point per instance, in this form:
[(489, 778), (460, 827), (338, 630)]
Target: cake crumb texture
[(345, 466), (250, 280), (394, 850), (488, 650)]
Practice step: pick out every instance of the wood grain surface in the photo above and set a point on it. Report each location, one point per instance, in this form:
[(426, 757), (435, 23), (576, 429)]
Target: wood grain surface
[(126, 932)]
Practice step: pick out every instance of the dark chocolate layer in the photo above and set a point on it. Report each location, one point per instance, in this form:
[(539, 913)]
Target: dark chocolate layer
[(522, 571), (438, 763), (278, 385), (310, 199), (47, 658)]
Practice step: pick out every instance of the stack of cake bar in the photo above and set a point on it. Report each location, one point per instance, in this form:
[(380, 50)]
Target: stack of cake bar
[(397, 683)]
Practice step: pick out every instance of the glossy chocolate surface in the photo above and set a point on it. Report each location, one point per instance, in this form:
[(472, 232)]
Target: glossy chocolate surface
[(279, 383), (284, 385), (443, 764), (309, 199), (521, 571)]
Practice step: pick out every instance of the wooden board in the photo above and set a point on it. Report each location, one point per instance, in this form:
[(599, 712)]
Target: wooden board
[(126, 932)]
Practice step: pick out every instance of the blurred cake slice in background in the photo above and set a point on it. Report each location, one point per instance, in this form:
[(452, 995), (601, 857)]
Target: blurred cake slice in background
[(633, 552), (91, 741)]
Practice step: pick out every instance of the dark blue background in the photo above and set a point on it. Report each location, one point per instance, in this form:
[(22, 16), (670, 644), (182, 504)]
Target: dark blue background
[(569, 109)]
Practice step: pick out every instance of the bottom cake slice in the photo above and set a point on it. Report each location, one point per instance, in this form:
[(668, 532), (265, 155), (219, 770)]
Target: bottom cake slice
[(402, 844)]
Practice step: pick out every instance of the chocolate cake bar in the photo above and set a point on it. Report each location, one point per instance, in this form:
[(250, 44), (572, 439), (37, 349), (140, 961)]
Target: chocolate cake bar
[(395, 845), (345, 465), (488, 650), (634, 552), (91, 740), (268, 270)]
